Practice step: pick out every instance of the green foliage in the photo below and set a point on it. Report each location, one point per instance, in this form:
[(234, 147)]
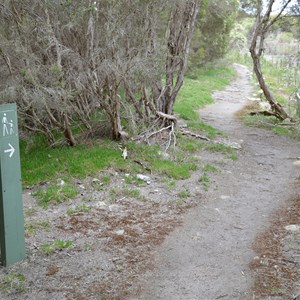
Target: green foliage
[(198, 88), (50, 248), (212, 35), (240, 35), (13, 283), (55, 194)]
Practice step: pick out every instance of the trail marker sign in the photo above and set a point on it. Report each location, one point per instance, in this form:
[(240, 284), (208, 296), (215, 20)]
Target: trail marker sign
[(12, 240)]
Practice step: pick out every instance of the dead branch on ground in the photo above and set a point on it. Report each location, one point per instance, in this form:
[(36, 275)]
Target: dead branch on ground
[(193, 134)]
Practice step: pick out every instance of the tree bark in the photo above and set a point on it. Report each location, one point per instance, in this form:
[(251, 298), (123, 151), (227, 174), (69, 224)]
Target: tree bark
[(262, 26), (181, 28)]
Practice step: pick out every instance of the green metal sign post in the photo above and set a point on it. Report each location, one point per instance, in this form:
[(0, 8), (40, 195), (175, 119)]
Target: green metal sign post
[(12, 240)]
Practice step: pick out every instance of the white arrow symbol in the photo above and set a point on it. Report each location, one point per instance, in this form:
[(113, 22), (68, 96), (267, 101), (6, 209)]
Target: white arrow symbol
[(10, 151)]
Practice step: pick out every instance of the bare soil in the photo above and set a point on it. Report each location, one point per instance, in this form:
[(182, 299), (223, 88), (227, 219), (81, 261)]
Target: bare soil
[(224, 240)]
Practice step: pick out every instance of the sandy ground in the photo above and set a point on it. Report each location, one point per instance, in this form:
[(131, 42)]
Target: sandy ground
[(210, 245)]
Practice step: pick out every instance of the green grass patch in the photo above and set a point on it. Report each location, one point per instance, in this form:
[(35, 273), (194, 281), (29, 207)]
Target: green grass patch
[(260, 121), (221, 148), (232, 156), (281, 130), (175, 170), (292, 131), (13, 283), (205, 129), (132, 179), (50, 248), (31, 228), (152, 159), (45, 164), (78, 209), (210, 168), (55, 194), (133, 193), (188, 144), (271, 123), (198, 88), (105, 179), (169, 182), (205, 180), (184, 194)]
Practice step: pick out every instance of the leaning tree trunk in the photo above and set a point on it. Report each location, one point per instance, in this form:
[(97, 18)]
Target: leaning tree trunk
[(262, 26), (276, 107)]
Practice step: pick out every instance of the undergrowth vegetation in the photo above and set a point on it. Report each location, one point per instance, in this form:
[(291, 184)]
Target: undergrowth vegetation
[(55, 170)]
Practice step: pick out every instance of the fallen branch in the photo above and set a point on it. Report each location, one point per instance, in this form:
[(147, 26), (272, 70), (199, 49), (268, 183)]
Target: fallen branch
[(193, 134), (164, 116), (159, 131)]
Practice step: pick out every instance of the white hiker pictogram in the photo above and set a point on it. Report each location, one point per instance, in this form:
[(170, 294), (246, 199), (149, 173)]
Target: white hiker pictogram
[(8, 127), (5, 125), (11, 130)]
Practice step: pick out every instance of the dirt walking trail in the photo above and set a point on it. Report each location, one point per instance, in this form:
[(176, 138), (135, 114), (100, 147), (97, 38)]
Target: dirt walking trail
[(208, 257)]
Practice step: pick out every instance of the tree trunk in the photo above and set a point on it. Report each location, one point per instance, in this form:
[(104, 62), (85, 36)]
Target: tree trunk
[(278, 110), (115, 116), (181, 28), (67, 131), (262, 26)]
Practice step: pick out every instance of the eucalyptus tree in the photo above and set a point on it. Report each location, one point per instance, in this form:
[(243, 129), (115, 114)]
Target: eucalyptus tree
[(264, 22)]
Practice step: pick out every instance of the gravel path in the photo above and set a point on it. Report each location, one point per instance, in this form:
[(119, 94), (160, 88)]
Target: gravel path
[(208, 257)]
